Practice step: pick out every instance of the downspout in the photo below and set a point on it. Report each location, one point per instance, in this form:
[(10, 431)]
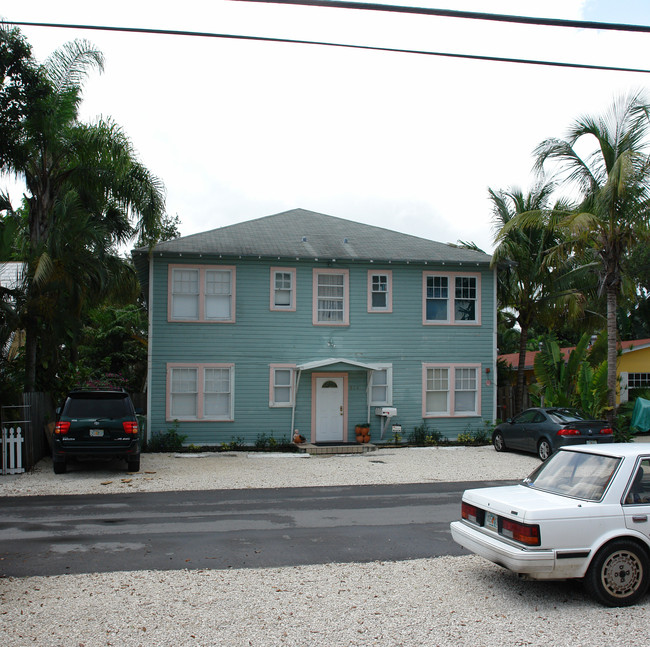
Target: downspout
[(293, 405)]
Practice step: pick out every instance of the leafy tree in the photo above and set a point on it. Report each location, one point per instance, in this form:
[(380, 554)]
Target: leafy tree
[(613, 184), (577, 381), (86, 193), (528, 284)]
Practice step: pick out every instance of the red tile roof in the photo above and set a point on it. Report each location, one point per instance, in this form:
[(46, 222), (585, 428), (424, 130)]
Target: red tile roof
[(512, 359)]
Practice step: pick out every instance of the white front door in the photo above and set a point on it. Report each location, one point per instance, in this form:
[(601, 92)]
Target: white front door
[(329, 409)]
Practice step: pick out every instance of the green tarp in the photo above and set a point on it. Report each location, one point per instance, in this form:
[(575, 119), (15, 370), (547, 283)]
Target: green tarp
[(641, 415)]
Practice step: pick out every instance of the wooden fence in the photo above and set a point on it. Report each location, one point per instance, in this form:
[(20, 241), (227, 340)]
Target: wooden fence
[(32, 415), (506, 402)]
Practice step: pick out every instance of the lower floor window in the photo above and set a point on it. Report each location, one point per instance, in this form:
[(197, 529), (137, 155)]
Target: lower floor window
[(281, 391), (450, 390), (638, 380), (200, 392)]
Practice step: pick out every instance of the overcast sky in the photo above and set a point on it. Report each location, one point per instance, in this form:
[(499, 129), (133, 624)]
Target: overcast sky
[(239, 129)]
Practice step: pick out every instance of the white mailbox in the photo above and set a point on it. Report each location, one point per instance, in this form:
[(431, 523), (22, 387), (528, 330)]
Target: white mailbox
[(388, 412)]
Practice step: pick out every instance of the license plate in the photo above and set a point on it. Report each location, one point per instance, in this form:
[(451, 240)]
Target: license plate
[(591, 442), (96, 433), (491, 521)]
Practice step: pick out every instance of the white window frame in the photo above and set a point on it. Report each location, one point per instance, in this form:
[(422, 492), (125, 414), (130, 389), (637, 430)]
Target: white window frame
[(388, 369), (345, 299), (273, 371), (202, 272), (388, 274), (452, 370), (200, 392), (291, 307), (451, 299)]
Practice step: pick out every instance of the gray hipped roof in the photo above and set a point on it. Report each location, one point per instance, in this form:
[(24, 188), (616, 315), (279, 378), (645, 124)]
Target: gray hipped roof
[(303, 234)]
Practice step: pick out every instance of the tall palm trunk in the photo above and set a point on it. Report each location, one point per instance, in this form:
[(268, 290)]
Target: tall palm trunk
[(521, 377), (611, 351)]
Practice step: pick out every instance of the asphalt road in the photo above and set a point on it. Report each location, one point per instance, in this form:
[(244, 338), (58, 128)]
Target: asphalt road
[(222, 529)]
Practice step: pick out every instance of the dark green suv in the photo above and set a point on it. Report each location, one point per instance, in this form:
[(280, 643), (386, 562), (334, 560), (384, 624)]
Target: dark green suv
[(96, 424)]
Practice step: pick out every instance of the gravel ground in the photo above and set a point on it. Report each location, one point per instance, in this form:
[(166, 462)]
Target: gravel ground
[(448, 601)]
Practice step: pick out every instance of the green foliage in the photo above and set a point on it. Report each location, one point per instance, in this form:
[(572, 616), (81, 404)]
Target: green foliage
[(576, 381), (166, 441), (423, 435)]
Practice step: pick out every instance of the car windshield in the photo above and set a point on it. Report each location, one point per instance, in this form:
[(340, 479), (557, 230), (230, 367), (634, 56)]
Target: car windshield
[(565, 415), (575, 474)]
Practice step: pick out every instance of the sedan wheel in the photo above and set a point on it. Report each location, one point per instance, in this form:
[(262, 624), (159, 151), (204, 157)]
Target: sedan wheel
[(498, 442), (618, 575), (544, 449)]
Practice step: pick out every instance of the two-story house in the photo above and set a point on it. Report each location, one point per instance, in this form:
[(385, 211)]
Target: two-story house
[(303, 321)]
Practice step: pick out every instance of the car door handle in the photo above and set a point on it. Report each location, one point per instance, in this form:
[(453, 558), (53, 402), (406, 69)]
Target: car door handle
[(639, 518)]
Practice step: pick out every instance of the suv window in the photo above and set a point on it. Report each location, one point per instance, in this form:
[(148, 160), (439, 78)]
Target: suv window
[(97, 407)]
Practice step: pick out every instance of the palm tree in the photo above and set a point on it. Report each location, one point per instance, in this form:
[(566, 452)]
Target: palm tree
[(613, 186), (87, 173), (528, 284)]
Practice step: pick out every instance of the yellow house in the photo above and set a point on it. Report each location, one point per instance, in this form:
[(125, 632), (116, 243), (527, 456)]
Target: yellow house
[(632, 369)]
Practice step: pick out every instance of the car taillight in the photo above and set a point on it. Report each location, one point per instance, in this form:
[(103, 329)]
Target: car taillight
[(568, 432), (61, 427), (606, 431), (521, 532), (469, 512), (130, 427)]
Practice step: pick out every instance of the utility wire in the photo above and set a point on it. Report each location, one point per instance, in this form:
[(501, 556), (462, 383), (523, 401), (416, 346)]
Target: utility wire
[(471, 15), (267, 39)]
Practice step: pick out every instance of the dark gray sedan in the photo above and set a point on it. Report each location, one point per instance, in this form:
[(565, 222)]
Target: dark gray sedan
[(543, 430)]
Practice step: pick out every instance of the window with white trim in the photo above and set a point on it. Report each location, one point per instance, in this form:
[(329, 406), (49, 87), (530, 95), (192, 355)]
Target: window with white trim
[(281, 392), (465, 299), (283, 288), (184, 393), (331, 298), (451, 390), (465, 390), (380, 297), (205, 294), (437, 298), (638, 380), (381, 387), (437, 391), (185, 294), (200, 392), (451, 298)]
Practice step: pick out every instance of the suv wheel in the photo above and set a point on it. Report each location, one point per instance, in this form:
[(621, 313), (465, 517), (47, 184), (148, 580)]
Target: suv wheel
[(133, 466), (59, 467)]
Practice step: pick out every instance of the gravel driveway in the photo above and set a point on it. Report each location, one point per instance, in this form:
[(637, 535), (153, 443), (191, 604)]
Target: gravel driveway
[(464, 601)]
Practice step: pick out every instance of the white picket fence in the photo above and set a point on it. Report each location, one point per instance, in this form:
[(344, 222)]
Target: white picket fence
[(12, 450)]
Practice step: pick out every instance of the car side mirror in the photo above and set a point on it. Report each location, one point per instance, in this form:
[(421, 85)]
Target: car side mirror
[(509, 421), (139, 411), (58, 411)]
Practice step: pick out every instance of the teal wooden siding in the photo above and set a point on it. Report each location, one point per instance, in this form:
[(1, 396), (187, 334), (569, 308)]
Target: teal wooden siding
[(261, 337)]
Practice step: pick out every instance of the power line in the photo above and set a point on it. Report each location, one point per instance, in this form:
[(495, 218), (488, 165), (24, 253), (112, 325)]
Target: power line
[(470, 15), (268, 39)]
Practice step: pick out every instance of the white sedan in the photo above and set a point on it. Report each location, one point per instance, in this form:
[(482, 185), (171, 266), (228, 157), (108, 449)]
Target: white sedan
[(585, 513)]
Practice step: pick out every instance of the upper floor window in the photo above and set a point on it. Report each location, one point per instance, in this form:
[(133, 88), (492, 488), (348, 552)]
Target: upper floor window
[(331, 298), (283, 288), (204, 293), (451, 298), (200, 391), (380, 296)]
